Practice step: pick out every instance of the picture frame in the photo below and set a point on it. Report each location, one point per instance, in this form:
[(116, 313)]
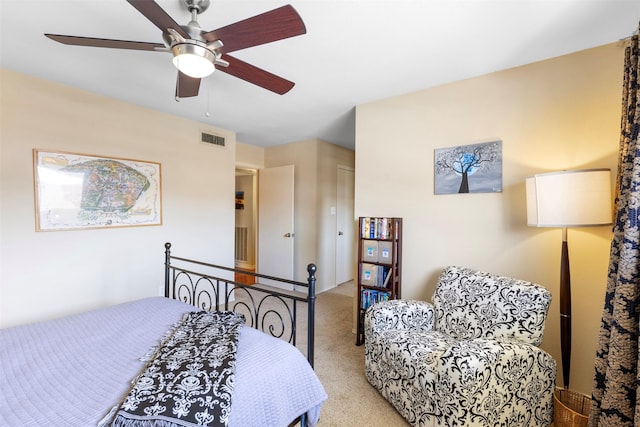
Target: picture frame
[(82, 191), (473, 168), (239, 199)]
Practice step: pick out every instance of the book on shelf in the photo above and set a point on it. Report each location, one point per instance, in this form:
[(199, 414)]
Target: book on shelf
[(371, 296), (376, 228), (387, 278)]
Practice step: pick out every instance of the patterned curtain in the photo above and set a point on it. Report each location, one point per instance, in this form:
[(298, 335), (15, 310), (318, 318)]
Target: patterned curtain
[(616, 381)]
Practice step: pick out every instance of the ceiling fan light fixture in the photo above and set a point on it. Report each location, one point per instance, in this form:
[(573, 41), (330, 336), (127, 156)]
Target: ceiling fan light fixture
[(193, 60)]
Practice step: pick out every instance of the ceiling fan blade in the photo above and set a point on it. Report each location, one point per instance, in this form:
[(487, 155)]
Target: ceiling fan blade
[(110, 43), (257, 76), (154, 13), (187, 86), (277, 24)]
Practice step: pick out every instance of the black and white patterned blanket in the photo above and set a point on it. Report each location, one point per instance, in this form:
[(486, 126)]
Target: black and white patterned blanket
[(189, 379)]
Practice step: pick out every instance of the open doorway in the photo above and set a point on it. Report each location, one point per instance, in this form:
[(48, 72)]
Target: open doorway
[(264, 221), (246, 222), (266, 197)]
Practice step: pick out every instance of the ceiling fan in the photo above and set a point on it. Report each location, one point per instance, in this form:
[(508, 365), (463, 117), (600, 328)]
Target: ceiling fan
[(198, 53)]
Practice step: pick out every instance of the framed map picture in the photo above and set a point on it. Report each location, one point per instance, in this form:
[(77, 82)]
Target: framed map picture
[(78, 191)]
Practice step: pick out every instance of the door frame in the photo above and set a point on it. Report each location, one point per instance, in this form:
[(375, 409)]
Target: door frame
[(351, 218)]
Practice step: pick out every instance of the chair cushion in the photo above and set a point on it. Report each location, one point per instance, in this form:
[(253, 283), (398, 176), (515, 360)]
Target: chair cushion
[(412, 358), (473, 304), (414, 355)]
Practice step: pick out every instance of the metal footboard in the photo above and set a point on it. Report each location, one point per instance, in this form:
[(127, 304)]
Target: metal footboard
[(271, 304)]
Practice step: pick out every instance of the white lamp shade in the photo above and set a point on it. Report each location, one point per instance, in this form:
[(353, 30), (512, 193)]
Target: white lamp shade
[(574, 198)]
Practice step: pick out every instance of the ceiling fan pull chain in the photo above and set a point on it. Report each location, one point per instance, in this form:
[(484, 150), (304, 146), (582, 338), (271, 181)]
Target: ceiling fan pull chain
[(207, 114), (177, 98)]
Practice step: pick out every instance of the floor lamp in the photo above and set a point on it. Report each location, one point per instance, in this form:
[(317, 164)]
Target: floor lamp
[(575, 198)]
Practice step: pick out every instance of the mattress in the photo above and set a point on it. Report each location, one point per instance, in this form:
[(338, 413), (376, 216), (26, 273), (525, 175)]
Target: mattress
[(72, 371)]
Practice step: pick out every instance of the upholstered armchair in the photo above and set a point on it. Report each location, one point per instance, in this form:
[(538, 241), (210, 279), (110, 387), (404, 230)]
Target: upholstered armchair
[(469, 359)]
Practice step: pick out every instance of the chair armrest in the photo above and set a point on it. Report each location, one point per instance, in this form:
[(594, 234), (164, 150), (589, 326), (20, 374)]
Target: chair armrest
[(399, 315), (486, 380)]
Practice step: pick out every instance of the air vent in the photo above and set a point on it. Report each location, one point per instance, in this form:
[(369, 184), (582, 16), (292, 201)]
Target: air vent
[(209, 138)]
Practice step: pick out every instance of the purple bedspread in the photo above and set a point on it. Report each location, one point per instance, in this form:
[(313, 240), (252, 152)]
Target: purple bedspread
[(71, 371)]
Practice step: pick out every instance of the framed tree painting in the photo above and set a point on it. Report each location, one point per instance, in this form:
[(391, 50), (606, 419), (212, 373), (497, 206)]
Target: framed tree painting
[(475, 168), (79, 191)]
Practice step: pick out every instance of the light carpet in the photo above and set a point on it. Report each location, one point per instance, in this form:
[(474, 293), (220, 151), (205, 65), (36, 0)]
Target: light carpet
[(339, 364)]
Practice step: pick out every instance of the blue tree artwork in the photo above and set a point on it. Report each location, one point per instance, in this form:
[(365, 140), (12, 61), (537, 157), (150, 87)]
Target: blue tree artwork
[(475, 168)]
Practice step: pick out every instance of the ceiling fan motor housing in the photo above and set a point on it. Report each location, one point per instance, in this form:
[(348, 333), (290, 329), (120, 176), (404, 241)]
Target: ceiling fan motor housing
[(198, 5)]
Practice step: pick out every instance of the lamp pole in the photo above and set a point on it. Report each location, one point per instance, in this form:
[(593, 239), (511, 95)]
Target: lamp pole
[(565, 310)]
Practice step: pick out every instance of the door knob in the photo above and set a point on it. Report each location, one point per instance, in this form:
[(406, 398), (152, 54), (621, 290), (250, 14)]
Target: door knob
[(340, 233), (288, 235)]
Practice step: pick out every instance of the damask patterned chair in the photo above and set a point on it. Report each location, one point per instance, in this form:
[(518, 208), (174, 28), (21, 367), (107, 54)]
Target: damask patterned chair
[(469, 359)]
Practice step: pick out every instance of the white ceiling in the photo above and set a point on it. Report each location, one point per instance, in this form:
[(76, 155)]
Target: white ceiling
[(354, 52)]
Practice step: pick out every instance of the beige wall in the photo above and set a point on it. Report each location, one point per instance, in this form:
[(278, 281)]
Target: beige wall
[(330, 158), (249, 156), (316, 167), (562, 113), (48, 274)]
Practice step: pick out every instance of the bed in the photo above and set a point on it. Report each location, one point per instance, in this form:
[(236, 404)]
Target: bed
[(78, 370)]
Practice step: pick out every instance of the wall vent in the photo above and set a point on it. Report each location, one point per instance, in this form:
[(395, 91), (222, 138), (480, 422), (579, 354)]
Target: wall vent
[(209, 138)]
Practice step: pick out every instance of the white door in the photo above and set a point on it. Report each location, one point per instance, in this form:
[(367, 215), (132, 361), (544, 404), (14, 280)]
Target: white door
[(345, 233), (275, 222)]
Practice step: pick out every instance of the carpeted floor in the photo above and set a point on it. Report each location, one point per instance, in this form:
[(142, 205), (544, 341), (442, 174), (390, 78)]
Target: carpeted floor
[(339, 364)]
